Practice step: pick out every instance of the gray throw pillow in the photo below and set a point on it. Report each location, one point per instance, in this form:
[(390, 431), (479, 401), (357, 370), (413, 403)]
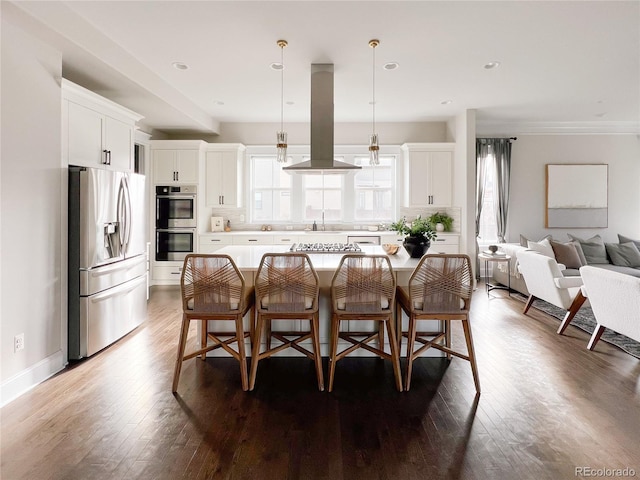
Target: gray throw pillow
[(524, 241), (623, 239), (566, 254), (583, 259), (624, 254), (593, 249)]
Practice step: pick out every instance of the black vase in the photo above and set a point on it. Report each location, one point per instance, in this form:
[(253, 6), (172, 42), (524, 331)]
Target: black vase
[(416, 247)]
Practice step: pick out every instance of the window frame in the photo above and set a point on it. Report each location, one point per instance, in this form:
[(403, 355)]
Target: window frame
[(301, 153)]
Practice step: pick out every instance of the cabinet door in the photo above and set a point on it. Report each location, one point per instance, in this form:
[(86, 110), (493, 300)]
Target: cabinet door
[(222, 179), (187, 166), (119, 143), (440, 178), (164, 166), (85, 136), (419, 179), (230, 180)]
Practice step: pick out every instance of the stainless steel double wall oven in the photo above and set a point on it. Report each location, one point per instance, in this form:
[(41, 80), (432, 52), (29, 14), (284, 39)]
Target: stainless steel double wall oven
[(176, 221)]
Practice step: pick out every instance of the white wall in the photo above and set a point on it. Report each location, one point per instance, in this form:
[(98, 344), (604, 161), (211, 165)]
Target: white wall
[(31, 212), (344, 133), (529, 155)]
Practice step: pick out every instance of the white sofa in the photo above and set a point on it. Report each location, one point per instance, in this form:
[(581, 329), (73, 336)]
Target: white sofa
[(545, 281), (615, 301)]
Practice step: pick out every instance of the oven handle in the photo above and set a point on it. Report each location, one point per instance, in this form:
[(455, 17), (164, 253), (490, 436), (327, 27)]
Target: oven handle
[(187, 197), (176, 230)]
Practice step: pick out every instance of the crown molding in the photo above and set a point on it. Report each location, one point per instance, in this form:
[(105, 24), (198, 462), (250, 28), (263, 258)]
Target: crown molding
[(557, 128)]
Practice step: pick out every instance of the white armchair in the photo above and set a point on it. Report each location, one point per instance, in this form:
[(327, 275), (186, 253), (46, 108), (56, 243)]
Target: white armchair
[(615, 301), (545, 281)]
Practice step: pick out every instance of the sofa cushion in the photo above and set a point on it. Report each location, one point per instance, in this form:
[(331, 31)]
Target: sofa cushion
[(624, 254), (524, 241), (593, 249), (583, 259), (567, 254), (634, 272), (543, 247), (623, 239)]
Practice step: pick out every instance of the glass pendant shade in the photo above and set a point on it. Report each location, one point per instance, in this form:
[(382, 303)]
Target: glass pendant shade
[(281, 147), (373, 150)]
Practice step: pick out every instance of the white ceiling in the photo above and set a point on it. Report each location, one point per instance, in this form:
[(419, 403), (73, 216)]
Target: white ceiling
[(569, 64)]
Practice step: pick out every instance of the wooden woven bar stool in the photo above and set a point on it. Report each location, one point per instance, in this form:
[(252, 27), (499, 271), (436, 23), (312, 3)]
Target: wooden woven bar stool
[(287, 288), (363, 288), (439, 289), (213, 289)]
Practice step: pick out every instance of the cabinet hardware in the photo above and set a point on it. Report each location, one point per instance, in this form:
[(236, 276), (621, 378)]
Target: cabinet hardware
[(215, 239), (175, 273), (222, 199), (109, 156), (253, 239), (104, 161), (177, 176)]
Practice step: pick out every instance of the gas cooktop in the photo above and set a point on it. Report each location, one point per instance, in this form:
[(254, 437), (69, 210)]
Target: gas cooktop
[(325, 247)]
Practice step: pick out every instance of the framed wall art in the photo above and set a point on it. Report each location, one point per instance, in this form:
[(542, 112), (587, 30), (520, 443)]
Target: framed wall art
[(577, 196)]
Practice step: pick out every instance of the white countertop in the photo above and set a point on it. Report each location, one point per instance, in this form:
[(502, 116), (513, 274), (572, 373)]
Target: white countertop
[(314, 232), (247, 257)]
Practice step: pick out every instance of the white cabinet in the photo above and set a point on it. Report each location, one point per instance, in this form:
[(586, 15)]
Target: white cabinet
[(252, 239), (96, 132), (213, 243), (284, 239), (445, 243), (428, 173), (167, 273), (176, 161), (224, 178)]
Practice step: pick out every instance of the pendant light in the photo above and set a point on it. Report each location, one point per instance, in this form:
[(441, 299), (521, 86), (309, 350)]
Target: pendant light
[(281, 142), (373, 139)]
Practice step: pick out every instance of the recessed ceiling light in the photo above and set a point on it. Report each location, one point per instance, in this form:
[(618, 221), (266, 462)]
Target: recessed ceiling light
[(290, 103), (180, 66), (446, 102), (391, 66), (277, 66), (490, 65), (600, 115), (218, 102)]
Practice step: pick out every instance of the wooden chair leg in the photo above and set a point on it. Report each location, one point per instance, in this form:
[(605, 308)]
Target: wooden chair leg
[(268, 326), (447, 336), (380, 336), (395, 354), (335, 329), (255, 351), (527, 305), (252, 324), (573, 309), (182, 343), (472, 354), (595, 337), (411, 340), (204, 328), (241, 352), (315, 337), (398, 323)]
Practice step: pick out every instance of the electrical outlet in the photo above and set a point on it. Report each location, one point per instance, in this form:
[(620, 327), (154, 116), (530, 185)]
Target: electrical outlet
[(18, 342)]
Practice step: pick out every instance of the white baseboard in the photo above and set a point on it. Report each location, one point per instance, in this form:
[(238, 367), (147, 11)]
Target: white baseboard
[(27, 379)]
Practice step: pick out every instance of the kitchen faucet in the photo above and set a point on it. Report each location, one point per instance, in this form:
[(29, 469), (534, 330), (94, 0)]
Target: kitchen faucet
[(323, 220)]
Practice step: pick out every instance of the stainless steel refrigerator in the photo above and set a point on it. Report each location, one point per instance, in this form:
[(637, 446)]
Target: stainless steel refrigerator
[(107, 258)]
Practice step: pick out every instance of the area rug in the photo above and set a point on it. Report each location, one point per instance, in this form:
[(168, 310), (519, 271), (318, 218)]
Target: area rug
[(585, 320)]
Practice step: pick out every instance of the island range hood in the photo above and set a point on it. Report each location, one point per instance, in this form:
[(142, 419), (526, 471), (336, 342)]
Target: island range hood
[(322, 161)]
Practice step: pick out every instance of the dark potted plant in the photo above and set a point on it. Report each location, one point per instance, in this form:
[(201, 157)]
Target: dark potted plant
[(441, 218), (419, 234)]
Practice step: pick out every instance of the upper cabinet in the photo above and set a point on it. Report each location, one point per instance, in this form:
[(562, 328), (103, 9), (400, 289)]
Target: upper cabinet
[(428, 174), (95, 131), (176, 162), (224, 179)]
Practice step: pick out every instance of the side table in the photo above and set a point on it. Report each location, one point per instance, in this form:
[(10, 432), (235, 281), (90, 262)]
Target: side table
[(495, 258)]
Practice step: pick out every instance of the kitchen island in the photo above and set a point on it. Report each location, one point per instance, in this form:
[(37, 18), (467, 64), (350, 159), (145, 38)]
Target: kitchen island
[(247, 258)]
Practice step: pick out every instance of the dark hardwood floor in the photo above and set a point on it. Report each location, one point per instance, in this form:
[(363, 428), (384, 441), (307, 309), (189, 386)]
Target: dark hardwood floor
[(547, 406)]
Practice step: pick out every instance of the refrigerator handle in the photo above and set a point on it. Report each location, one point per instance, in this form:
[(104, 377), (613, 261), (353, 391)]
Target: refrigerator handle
[(121, 217), (126, 214)]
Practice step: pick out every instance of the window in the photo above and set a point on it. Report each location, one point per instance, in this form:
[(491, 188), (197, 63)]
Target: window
[(488, 231), (366, 195), (374, 189), (271, 192)]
